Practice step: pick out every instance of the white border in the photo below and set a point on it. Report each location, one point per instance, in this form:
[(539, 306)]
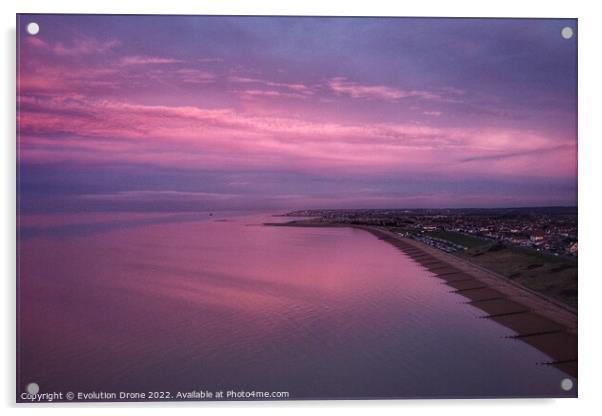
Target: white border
[(590, 137)]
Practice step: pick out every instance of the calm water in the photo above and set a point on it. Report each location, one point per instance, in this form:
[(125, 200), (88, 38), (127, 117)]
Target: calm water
[(183, 302)]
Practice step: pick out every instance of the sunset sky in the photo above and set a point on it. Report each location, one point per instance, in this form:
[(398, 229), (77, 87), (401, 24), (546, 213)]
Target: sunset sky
[(181, 113)]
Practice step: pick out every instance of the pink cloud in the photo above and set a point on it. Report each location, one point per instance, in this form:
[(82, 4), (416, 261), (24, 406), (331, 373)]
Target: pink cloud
[(194, 76), (78, 129), (79, 46), (250, 94), (341, 85), (292, 86), (147, 60), (104, 80), (59, 122), (281, 89)]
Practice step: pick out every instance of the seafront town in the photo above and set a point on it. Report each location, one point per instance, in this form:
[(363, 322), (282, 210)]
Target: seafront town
[(548, 230)]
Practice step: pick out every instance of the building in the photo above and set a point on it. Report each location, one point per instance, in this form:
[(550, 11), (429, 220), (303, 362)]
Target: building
[(537, 237)]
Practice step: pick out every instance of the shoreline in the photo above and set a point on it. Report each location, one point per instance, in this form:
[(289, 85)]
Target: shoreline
[(544, 323)]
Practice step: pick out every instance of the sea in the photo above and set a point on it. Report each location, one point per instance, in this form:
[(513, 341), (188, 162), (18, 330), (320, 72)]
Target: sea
[(165, 306)]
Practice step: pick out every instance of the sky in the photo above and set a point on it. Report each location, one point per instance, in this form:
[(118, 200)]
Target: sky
[(195, 113)]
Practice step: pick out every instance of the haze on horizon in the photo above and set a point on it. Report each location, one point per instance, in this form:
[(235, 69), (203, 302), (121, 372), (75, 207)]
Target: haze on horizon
[(185, 113)]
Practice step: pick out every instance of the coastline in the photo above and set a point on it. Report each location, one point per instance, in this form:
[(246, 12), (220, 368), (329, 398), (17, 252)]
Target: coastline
[(542, 322)]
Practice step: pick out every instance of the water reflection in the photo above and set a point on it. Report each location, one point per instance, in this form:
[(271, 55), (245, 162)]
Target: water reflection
[(179, 304)]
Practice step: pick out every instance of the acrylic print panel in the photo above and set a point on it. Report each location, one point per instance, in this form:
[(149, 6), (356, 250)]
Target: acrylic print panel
[(281, 208)]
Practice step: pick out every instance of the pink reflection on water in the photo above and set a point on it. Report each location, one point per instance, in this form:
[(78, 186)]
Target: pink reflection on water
[(237, 303)]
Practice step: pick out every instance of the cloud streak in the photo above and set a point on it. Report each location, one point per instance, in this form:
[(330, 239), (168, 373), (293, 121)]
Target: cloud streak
[(79, 46), (147, 60), (260, 109), (341, 85), (173, 135)]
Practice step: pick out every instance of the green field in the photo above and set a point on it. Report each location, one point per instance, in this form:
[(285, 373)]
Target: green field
[(547, 274), (553, 276), (458, 238)]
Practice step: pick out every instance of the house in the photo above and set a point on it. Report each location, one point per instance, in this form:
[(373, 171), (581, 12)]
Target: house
[(537, 237)]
